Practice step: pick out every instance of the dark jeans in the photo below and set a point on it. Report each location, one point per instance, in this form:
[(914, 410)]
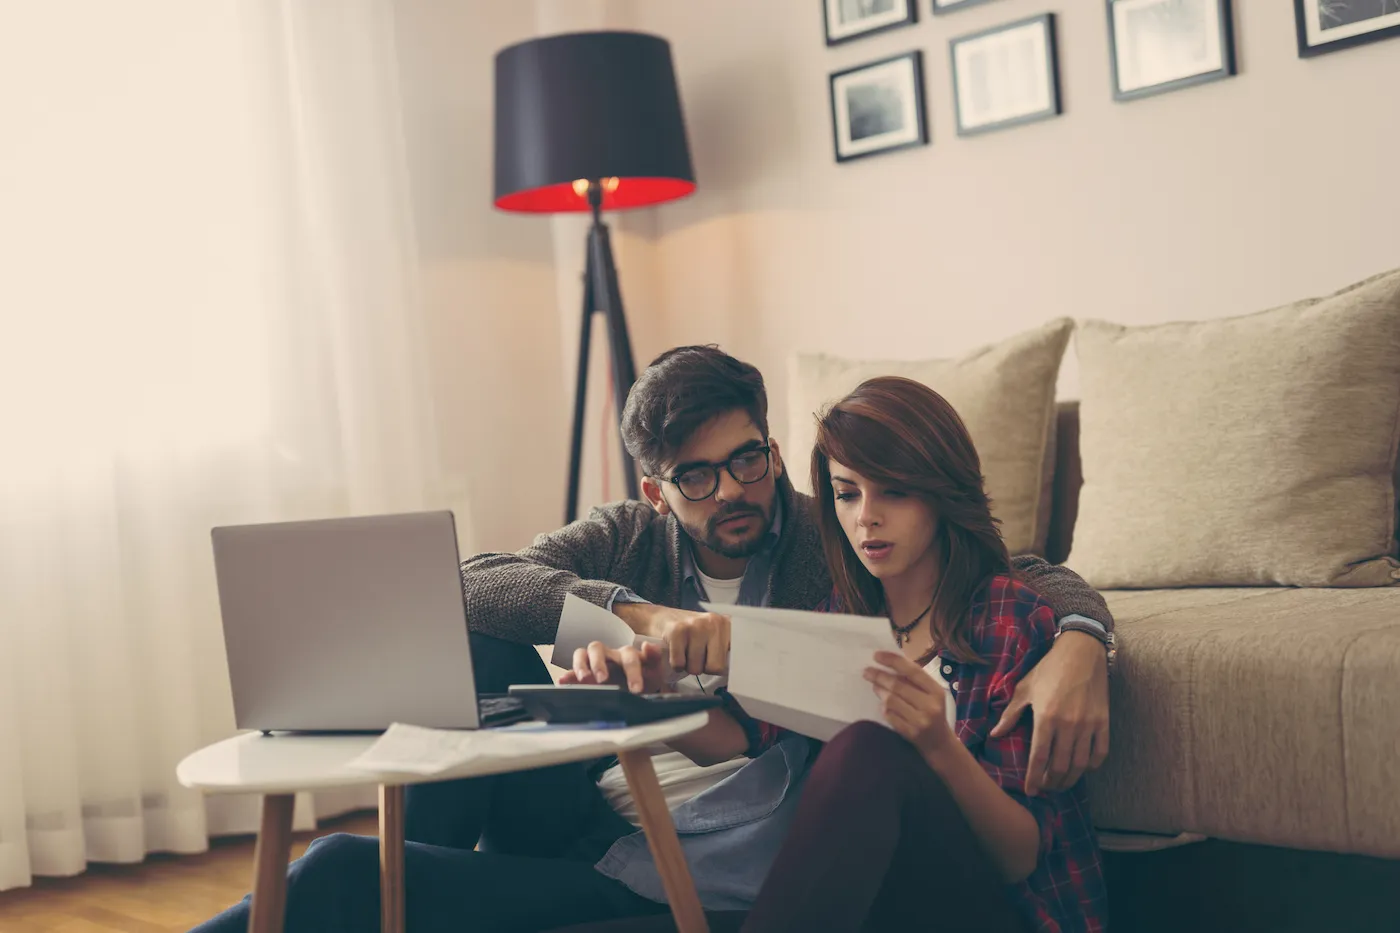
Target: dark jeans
[(544, 829), (878, 844)]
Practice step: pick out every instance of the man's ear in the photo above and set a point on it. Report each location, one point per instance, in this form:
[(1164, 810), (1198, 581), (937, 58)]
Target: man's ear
[(777, 458), (651, 489)]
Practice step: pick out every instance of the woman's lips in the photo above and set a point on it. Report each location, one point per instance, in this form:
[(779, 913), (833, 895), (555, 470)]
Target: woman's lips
[(877, 550)]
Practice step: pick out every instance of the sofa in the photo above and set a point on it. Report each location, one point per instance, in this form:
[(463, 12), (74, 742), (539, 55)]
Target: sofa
[(1231, 486), (1254, 714)]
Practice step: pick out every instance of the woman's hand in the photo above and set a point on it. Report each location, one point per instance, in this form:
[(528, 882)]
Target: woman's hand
[(915, 704), (642, 669)]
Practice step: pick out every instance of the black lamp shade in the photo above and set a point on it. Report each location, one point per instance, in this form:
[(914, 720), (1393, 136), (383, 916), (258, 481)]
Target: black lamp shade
[(589, 106)]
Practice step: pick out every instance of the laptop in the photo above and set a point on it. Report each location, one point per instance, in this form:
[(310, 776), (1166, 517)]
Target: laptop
[(349, 625)]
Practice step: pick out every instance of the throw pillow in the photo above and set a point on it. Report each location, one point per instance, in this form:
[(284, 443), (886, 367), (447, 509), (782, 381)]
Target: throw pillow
[(1246, 451), (1005, 394)]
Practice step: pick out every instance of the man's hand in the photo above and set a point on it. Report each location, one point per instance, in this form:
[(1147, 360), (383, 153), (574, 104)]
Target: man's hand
[(1068, 690), (696, 642), (642, 669)]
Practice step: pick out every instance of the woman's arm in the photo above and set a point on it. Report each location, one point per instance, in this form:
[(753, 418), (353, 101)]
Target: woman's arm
[(915, 708), (1007, 830)]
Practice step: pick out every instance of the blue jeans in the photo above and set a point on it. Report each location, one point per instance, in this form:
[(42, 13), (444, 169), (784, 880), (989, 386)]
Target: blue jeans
[(544, 829)]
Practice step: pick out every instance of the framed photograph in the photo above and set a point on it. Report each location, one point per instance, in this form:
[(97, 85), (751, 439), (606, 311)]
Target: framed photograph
[(949, 6), (878, 107), (1164, 45), (1006, 76), (1331, 25), (851, 19)]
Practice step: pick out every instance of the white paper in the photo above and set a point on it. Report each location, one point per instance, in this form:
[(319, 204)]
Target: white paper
[(581, 623), (805, 670), (405, 749)]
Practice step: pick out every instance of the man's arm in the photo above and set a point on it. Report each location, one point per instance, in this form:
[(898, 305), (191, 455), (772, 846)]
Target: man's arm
[(518, 597), (1063, 589), (1068, 689)]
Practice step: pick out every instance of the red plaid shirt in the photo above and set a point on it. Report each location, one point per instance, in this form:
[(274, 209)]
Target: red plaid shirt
[(1012, 627)]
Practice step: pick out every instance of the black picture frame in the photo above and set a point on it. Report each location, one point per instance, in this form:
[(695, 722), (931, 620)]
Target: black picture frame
[(1052, 77), (920, 136), (1226, 18), (1301, 10), (911, 16), (956, 7)]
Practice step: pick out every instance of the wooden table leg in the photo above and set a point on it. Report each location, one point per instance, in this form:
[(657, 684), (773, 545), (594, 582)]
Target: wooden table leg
[(391, 901), (270, 865), (661, 837)]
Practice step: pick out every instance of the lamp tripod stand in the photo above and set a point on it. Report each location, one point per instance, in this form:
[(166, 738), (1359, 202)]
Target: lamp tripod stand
[(601, 295)]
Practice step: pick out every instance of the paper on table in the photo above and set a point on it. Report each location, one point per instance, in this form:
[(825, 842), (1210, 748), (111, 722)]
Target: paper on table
[(405, 749), (804, 670)]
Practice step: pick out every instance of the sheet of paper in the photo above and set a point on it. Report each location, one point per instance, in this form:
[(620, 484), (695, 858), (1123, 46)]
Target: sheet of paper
[(804, 670), (406, 749), (581, 623)]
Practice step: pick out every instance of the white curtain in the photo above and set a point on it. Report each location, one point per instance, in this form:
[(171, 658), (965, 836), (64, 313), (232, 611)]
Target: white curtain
[(209, 314)]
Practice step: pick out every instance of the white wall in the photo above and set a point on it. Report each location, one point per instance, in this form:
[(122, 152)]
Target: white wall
[(488, 278), (1216, 200)]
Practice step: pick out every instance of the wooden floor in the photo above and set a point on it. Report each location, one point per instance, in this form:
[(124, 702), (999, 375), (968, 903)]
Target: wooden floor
[(164, 894)]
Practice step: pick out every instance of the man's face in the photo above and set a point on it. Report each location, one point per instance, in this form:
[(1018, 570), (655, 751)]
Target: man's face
[(733, 519)]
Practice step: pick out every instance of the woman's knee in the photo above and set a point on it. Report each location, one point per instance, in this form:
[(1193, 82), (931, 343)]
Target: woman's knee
[(872, 753)]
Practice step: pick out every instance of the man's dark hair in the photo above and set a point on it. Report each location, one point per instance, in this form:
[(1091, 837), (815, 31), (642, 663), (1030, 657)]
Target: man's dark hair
[(681, 390)]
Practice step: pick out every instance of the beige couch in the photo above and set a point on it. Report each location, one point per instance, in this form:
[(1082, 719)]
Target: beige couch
[(1267, 715), (1236, 501)]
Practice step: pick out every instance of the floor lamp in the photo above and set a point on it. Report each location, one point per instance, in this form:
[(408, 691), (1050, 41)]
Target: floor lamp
[(591, 121)]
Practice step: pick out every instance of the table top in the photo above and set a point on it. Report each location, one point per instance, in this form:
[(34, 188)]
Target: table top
[(284, 763)]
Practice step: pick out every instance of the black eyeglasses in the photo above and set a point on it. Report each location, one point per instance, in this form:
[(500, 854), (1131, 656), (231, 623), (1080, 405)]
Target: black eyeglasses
[(700, 480)]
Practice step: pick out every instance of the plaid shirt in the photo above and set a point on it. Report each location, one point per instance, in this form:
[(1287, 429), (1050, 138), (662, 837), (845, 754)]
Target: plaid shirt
[(1012, 627)]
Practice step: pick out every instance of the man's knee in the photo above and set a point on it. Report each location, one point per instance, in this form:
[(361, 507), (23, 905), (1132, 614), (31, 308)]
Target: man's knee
[(497, 664), (340, 858)]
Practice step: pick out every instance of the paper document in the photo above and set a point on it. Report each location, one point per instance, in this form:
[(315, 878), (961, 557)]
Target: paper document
[(405, 749), (581, 623), (804, 671)]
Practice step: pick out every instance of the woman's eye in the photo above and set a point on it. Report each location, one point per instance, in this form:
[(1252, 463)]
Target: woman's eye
[(843, 496), (896, 493)]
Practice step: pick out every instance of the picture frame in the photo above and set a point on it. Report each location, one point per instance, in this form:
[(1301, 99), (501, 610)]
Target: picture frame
[(845, 20), (1330, 26), (878, 107), (952, 6), (1006, 76), (1159, 46)]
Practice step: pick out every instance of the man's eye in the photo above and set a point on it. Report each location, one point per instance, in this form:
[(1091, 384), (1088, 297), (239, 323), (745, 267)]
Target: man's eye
[(693, 478)]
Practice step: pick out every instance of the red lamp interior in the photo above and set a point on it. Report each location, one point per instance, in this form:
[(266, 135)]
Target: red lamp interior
[(565, 196)]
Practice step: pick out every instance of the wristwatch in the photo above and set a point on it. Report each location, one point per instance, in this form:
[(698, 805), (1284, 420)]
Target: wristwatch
[(1110, 643)]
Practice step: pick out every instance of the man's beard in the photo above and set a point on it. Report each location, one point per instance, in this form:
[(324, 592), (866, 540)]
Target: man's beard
[(709, 536)]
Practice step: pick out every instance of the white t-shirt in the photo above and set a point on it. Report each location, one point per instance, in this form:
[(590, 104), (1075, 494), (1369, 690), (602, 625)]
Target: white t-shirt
[(680, 778)]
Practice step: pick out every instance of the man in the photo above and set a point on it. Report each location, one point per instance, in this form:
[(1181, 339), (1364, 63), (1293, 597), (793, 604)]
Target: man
[(722, 524)]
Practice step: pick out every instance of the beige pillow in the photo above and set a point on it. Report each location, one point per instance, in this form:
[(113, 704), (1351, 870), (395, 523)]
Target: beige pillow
[(1004, 393), (1246, 451)]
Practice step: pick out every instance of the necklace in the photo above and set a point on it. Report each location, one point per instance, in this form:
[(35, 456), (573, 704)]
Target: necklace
[(902, 632)]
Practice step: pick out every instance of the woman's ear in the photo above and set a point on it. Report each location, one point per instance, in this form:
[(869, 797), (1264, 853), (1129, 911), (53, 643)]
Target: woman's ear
[(651, 489)]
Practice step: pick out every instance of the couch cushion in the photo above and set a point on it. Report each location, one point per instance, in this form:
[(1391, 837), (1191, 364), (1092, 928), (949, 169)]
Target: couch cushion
[(1245, 451), (1005, 395), (1257, 715)]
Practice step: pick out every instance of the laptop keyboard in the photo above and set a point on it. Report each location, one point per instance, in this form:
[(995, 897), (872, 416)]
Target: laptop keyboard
[(499, 711)]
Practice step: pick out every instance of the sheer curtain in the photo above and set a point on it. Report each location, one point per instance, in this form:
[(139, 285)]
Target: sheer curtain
[(209, 314)]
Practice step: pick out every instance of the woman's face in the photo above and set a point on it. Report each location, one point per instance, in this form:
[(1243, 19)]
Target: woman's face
[(889, 529)]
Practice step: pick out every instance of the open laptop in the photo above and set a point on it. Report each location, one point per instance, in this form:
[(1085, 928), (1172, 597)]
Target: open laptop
[(349, 625)]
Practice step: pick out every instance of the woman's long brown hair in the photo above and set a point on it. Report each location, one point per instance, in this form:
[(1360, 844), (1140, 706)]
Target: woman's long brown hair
[(903, 435)]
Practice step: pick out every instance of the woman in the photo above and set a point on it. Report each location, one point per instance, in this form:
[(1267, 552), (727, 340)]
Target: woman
[(925, 824)]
